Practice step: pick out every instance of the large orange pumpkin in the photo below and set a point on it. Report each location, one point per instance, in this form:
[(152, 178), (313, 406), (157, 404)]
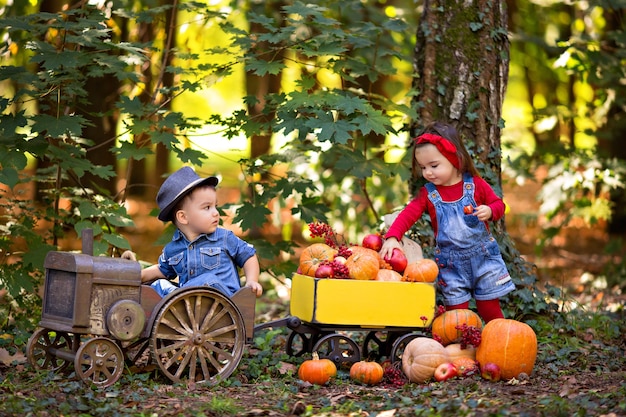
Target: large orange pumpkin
[(445, 325), (313, 255), (363, 264), (423, 270), (510, 344), (388, 275), (365, 372), (316, 370), (421, 357)]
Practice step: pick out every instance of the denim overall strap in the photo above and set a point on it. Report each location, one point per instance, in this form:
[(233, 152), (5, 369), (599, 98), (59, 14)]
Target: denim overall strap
[(457, 231)]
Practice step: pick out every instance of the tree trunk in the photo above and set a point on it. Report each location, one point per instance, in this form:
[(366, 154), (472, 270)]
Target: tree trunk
[(144, 177), (461, 63), (261, 88), (461, 73), (611, 135)]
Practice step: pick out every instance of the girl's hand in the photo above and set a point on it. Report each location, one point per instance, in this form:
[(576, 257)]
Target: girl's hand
[(388, 246), (483, 213)]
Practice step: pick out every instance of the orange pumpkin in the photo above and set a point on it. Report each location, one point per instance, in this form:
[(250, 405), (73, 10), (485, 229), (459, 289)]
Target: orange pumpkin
[(423, 270), (421, 357), (455, 352), (445, 325), (370, 373), (363, 264), (388, 275), (510, 344), (313, 255), (465, 366), (316, 370)]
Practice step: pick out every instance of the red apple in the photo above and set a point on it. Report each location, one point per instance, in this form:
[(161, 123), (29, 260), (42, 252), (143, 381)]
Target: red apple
[(397, 260), (490, 371), (373, 241), (445, 371), (324, 271)]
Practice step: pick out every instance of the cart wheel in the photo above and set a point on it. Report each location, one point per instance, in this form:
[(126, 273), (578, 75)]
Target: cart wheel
[(99, 361), (378, 344), (338, 348), (300, 343), (398, 346), (41, 346), (198, 334)]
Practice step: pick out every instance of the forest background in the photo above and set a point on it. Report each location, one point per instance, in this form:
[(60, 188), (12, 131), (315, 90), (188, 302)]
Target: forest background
[(305, 111)]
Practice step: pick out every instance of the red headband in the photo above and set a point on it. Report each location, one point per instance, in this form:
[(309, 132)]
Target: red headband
[(443, 145)]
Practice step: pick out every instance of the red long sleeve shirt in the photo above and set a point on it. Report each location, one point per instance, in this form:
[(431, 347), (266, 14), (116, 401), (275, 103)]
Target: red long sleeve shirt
[(483, 195)]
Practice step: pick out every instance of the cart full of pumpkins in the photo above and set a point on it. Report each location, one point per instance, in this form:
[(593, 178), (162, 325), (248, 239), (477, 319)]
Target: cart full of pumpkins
[(396, 308)]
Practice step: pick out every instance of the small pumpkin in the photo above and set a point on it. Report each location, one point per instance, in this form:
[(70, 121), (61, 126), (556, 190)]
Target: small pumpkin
[(316, 370), (423, 270), (388, 275), (465, 366), (363, 264), (510, 344), (421, 357), (313, 255), (445, 325), (455, 352), (365, 372)]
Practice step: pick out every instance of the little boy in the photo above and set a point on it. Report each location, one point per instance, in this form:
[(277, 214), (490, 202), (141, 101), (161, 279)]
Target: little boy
[(200, 253)]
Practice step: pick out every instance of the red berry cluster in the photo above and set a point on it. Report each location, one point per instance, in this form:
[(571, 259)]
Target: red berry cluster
[(344, 251), (393, 375), (340, 271), (318, 229), (470, 335), (331, 238)]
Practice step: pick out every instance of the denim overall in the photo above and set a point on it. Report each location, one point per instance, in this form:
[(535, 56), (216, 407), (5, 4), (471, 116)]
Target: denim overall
[(468, 256)]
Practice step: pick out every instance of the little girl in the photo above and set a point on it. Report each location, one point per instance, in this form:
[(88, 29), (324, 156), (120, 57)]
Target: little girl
[(459, 203)]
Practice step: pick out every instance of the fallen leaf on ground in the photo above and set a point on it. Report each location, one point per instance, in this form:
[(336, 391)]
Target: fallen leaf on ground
[(7, 359)]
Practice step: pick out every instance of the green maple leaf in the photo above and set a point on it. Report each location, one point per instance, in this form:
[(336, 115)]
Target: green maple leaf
[(249, 216)]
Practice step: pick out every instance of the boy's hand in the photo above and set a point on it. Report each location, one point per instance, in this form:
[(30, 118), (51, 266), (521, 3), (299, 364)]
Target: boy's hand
[(256, 287), (129, 255)]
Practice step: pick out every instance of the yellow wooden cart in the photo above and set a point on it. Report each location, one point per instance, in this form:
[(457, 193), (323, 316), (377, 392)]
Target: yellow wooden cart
[(324, 312)]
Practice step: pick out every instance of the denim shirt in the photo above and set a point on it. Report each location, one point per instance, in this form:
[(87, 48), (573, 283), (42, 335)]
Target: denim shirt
[(217, 255)]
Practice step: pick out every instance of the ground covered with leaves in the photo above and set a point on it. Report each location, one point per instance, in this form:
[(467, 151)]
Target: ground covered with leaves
[(580, 371)]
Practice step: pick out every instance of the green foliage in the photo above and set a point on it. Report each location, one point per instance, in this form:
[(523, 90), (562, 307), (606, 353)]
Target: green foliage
[(578, 186), (339, 114)]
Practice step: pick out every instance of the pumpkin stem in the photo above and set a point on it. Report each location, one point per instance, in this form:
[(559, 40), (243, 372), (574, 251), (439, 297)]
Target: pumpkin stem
[(316, 356)]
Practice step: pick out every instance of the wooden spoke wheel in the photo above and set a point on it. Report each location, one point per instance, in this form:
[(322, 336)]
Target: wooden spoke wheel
[(99, 361), (198, 334), (42, 346), (338, 348)]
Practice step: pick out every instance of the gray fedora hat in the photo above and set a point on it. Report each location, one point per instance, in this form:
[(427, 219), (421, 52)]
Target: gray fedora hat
[(177, 186)]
